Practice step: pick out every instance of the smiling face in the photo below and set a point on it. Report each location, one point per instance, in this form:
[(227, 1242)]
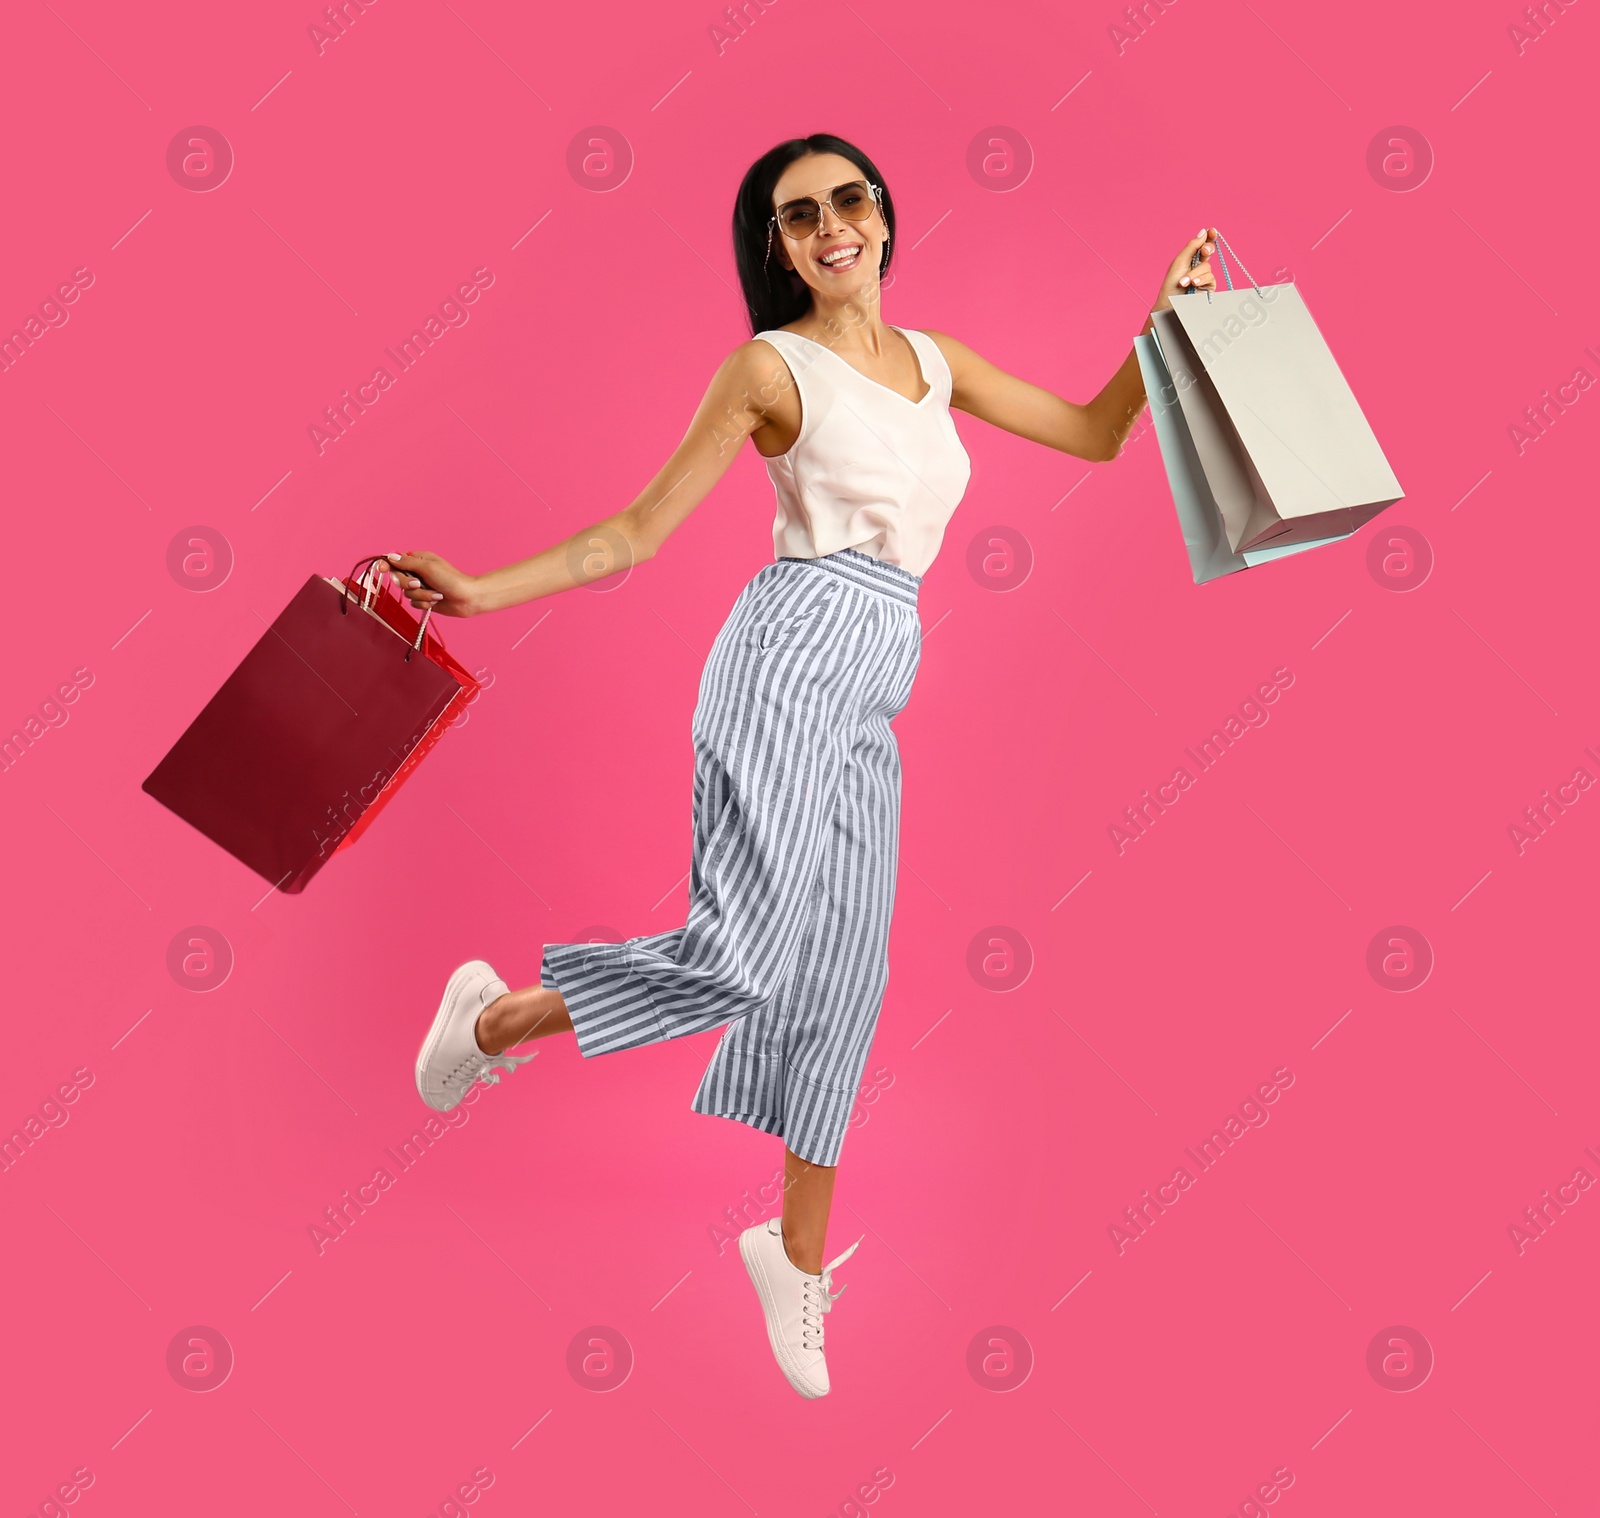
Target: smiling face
[(841, 258)]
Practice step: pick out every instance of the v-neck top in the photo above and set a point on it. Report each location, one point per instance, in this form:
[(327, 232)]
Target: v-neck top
[(871, 469)]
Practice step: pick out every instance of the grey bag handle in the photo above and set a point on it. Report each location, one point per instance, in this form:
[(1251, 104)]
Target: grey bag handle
[(1222, 263)]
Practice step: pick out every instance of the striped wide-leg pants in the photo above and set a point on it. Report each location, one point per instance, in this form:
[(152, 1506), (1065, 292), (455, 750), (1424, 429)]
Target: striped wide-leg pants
[(792, 878)]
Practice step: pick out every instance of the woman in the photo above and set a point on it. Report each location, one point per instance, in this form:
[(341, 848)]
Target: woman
[(797, 774)]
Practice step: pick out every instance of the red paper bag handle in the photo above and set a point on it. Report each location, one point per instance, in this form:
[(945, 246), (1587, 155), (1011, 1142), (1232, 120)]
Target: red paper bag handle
[(365, 567)]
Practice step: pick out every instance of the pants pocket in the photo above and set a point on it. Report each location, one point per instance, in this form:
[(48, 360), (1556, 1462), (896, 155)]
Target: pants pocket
[(785, 627), (775, 633)]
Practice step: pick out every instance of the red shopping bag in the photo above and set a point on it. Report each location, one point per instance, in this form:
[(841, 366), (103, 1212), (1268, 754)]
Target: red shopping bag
[(315, 731)]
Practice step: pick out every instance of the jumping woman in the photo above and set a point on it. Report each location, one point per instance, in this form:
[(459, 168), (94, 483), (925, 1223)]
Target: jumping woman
[(797, 771)]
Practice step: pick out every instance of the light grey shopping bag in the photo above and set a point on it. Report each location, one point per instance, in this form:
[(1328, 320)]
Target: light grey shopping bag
[(1204, 535), (1269, 445)]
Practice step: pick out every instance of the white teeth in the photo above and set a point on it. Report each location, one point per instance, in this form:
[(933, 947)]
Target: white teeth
[(839, 255)]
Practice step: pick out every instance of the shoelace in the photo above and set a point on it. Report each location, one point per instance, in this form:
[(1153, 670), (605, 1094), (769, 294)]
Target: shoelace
[(816, 1299), (485, 1067)]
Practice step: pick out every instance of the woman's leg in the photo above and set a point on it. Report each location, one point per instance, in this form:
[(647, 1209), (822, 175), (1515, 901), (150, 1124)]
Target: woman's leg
[(794, 1067), (520, 1016), (807, 1200), (777, 699)]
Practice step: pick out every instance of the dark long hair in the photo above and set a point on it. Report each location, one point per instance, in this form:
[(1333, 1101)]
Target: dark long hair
[(773, 295)]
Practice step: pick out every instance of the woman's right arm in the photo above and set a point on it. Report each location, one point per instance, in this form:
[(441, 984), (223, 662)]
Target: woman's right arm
[(744, 395)]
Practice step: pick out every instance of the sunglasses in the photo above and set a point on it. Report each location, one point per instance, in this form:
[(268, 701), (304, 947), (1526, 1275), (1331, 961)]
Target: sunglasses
[(855, 201)]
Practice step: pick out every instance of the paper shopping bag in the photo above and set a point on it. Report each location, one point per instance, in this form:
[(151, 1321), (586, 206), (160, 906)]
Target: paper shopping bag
[(1199, 515), (1283, 444), (316, 729)]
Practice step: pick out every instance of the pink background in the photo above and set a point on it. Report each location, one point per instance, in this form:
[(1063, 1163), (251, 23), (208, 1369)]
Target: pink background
[(1167, 982)]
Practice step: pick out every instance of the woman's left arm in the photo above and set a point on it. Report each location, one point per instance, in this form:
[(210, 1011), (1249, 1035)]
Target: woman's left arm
[(1095, 431)]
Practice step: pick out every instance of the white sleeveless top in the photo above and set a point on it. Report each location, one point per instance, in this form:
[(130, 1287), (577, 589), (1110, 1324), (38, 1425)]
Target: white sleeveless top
[(870, 469)]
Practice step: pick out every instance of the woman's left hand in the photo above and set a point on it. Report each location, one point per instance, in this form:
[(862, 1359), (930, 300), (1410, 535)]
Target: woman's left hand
[(1181, 278)]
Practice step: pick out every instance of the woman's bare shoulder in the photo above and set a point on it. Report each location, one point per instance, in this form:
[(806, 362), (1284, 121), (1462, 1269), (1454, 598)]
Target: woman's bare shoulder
[(755, 366), (954, 350), (754, 383)]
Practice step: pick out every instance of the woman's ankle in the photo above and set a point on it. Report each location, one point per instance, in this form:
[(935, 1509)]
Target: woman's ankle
[(488, 1031), (802, 1257), (517, 1017)]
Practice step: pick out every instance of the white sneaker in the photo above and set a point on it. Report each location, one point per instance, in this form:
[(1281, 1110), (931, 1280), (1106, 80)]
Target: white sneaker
[(451, 1060), (794, 1303)]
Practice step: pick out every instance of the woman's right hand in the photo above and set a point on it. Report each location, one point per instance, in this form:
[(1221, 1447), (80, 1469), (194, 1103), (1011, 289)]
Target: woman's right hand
[(447, 590), (1185, 276)]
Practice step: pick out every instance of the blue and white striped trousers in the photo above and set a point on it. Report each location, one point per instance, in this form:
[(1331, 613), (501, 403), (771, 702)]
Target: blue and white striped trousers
[(792, 878)]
